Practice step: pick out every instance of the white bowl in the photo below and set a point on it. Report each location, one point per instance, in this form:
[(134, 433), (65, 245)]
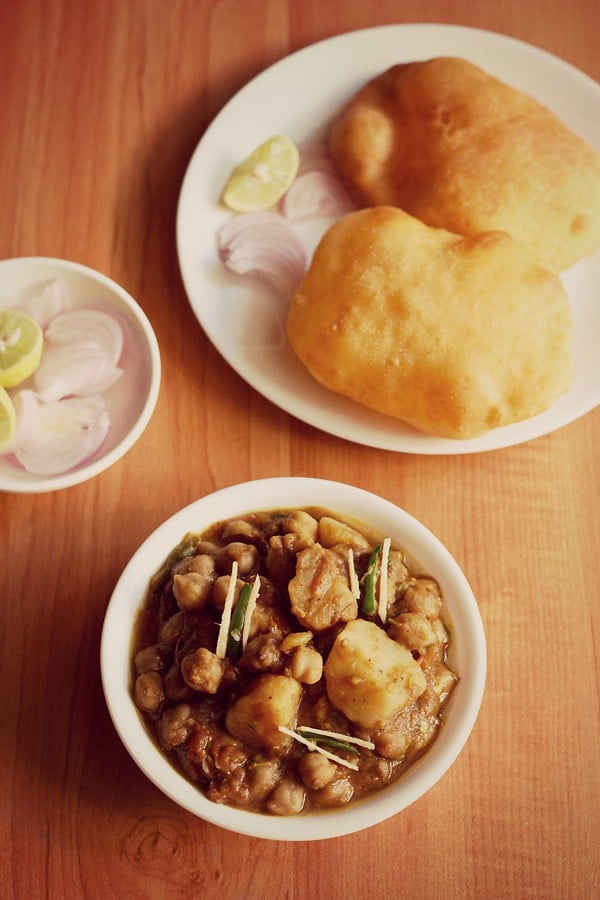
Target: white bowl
[(468, 653), (130, 402)]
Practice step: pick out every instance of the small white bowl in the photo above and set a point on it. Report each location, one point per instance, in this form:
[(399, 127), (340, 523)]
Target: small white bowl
[(130, 402), (468, 653)]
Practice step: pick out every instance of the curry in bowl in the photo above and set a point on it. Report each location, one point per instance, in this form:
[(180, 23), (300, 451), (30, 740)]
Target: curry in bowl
[(291, 661)]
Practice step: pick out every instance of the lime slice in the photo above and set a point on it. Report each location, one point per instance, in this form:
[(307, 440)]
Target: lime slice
[(8, 419), (21, 343), (263, 177)]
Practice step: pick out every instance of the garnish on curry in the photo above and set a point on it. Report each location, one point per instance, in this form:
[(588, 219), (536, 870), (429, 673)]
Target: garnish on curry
[(290, 660)]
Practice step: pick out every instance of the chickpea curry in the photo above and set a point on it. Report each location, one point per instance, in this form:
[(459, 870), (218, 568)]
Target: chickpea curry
[(289, 661)]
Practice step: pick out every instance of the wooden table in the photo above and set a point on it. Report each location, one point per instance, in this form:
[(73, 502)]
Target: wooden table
[(102, 105)]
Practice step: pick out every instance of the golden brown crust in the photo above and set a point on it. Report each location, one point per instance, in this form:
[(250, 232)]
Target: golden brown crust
[(460, 150), (453, 335)]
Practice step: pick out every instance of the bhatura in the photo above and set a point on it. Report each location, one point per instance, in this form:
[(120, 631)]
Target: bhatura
[(454, 335), (460, 150)]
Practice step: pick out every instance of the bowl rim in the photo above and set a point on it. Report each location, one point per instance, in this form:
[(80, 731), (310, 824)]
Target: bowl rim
[(44, 484), (289, 491)]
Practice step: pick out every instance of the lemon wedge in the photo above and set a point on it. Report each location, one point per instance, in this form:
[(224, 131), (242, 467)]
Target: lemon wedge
[(8, 419), (21, 344), (261, 179)]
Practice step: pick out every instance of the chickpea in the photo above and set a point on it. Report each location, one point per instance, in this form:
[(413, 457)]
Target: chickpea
[(306, 665), (148, 692), (175, 725), (152, 659), (267, 620), (202, 671), (383, 770), (246, 556), (175, 687), (171, 629), (423, 597), (268, 594), (325, 714), (394, 739), (240, 528), (296, 639), (192, 590), (198, 744), (208, 548), (262, 777), (287, 797), (220, 589), (202, 564), (333, 533), (227, 753), (262, 654), (303, 524), (281, 557), (392, 746), (316, 771), (232, 790), (337, 792), (414, 630)]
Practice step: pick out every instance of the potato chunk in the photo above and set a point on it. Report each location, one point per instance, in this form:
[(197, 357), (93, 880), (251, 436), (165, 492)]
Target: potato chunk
[(369, 676), (256, 716), (319, 592), (303, 525), (333, 532)]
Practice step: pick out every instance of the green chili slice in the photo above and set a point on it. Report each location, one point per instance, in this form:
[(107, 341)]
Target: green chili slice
[(369, 603), (325, 741), (186, 547), (234, 641)]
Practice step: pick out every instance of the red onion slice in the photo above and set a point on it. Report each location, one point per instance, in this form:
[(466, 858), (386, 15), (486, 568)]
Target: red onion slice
[(263, 244), (48, 301), (315, 194), (263, 223), (79, 368), (66, 433), (88, 325), (314, 156)]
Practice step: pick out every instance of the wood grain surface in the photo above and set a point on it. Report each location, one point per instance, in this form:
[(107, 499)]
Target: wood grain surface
[(102, 104)]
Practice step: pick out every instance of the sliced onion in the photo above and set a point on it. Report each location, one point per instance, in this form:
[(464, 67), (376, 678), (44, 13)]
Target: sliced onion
[(66, 433), (262, 223), (266, 262), (79, 368), (25, 403), (49, 300), (263, 244), (314, 156), (88, 325), (315, 194)]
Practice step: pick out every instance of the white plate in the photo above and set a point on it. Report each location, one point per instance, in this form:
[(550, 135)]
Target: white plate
[(468, 651), (298, 96)]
